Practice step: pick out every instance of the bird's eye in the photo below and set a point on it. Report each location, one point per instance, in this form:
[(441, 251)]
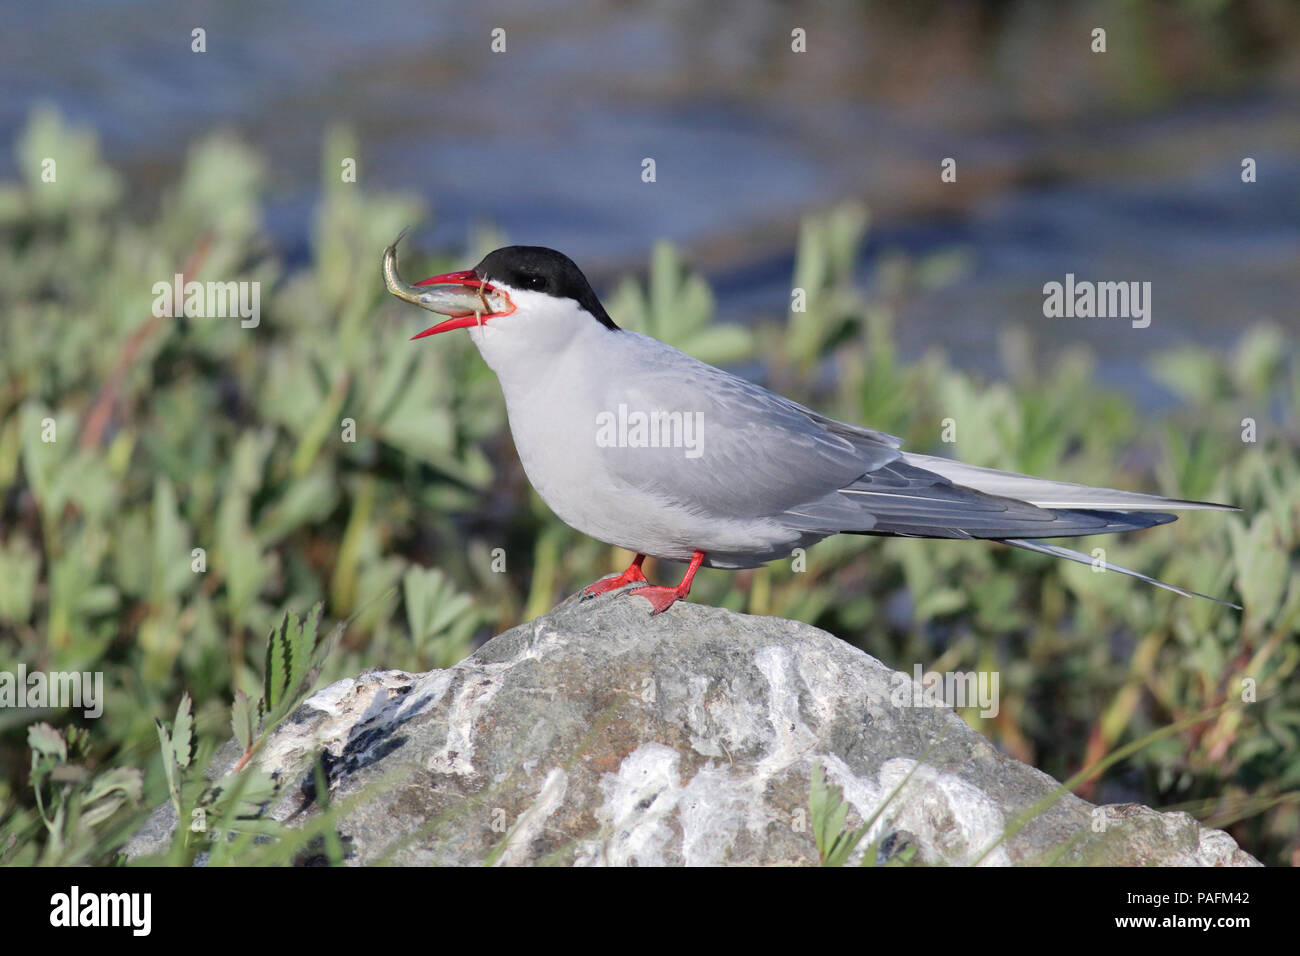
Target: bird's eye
[(535, 282)]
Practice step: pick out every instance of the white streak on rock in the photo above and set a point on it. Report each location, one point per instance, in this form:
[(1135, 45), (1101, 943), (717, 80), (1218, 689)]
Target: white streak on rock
[(475, 695), (638, 802), (532, 821), (956, 820)]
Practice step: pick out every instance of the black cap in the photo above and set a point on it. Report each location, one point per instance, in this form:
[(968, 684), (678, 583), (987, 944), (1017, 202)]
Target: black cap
[(539, 269)]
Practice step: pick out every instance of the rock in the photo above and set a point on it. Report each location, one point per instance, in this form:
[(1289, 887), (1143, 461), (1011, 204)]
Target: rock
[(601, 735)]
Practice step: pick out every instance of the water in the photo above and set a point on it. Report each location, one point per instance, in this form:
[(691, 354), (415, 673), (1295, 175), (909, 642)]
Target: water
[(1110, 168)]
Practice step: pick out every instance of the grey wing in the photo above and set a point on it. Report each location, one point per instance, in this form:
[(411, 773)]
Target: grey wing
[(760, 455), (756, 454)]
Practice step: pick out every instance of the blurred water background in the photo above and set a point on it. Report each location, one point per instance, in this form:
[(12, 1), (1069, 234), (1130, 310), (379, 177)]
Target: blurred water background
[(1116, 166)]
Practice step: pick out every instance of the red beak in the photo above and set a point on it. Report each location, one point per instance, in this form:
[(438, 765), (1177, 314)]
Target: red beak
[(469, 280)]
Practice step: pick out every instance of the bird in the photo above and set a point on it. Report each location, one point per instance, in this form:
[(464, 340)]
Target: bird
[(639, 445)]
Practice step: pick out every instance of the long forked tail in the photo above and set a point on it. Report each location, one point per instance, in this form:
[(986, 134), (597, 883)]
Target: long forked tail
[(1056, 551)]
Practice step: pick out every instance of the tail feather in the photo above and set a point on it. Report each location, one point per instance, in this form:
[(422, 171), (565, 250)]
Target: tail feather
[(1054, 494), (1056, 551)]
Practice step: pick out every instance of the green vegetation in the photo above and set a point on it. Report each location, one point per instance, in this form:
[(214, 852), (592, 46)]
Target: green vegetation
[(828, 813), (129, 442)]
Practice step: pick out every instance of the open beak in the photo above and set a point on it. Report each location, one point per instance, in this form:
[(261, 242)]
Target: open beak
[(461, 319), (468, 304)]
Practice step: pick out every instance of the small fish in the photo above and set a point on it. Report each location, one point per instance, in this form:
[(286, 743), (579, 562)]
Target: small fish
[(453, 300)]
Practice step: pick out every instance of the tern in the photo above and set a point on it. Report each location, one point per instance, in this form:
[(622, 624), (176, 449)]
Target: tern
[(641, 446)]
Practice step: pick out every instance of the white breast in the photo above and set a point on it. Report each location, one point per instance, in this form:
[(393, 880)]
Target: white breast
[(558, 372), (552, 400)]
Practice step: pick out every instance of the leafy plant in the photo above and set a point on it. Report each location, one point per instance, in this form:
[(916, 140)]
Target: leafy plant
[(211, 815), (828, 812), (172, 488), (76, 805), (677, 307)]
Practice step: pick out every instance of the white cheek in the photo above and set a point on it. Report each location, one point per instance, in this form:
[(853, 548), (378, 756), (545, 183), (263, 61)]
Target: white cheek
[(534, 336), (487, 332)]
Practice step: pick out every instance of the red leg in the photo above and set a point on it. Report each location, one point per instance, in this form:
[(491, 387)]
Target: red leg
[(662, 598), (632, 575)]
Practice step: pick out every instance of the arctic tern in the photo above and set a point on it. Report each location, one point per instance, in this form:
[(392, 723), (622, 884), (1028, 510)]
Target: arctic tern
[(641, 446)]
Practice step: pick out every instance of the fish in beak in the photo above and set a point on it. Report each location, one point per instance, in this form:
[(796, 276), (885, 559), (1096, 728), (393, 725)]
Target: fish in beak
[(463, 295)]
